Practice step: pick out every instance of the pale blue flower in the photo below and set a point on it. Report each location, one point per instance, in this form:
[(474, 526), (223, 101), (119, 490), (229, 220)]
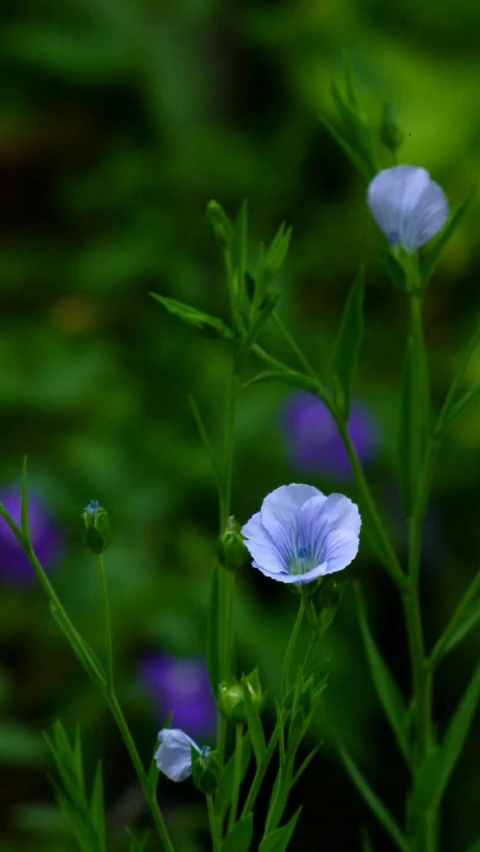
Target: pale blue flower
[(174, 755), (409, 207), (92, 507), (300, 534)]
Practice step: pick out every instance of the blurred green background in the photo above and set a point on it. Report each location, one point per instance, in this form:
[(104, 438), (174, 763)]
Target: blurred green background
[(119, 120)]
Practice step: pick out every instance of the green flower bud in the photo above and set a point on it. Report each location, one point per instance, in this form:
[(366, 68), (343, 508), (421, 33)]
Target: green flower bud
[(391, 131), (220, 224), (329, 597), (205, 770), (231, 551), (231, 701), (97, 527)]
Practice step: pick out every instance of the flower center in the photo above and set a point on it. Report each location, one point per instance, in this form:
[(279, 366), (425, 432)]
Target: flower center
[(302, 562)]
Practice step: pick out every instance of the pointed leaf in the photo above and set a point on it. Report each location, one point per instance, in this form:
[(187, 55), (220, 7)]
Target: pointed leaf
[(262, 317), (278, 840), (430, 261), (240, 837), (136, 844), (373, 801), (358, 161), (239, 245), (288, 377), (306, 762), (211, 326), (207, 445), (349, 339), (470, 617), (254, 723), (223, 796), (464, 404), (434, 774), (153, 772), (97, 810), (387, 689)]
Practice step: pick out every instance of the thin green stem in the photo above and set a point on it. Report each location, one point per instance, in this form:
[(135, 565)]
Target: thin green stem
[(213, 823), (290, 647), (439, 649), (424, 823), (260, 773), (467, 355), (122, 725), (237, 775), (106, 621), (390, 559)]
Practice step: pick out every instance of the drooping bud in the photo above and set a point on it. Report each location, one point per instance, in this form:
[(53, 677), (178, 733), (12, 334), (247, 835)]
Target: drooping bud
[(231, 551), (205, 769), (97, 527), (391, 130), (231, 699)]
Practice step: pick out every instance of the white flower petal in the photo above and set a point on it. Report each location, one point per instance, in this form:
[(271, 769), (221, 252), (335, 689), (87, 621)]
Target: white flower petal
[(173, 757), (407, 205), (263, 549), (341, 548)]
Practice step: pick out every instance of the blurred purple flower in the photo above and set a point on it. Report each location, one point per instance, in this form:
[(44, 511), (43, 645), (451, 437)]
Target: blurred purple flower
[(47, 539), (181, 687), (313, 439)]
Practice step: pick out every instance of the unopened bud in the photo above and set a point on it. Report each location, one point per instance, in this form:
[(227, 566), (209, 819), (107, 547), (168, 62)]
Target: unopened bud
[(231, 700), (231, 551), (205, 770), (391, 131), (97, 527), (220, 224)]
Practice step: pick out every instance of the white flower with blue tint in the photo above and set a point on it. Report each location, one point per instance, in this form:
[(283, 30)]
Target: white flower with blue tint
[(174, 755), (300, 534), (409, 207)]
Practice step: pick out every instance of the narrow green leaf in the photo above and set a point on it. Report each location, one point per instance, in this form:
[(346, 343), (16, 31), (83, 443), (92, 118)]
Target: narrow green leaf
[(431, 259), (387, 689), (373, 801), (474, 847), (394, 270), (306, 763), (261, 319), (211, 326), (365, 840), (358, 161), (347, 345), (464, 404), (223, 795), (254, 723), (240, 837), (470, 617), (239, 245), (434, 774), (206, 444), (278, 840), (288, 377), (153, 774), (213, 627), (97, 810)]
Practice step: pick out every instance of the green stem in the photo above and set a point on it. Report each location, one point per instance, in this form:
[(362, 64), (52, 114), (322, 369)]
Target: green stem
[(441, 645), (122, 725), (237, 775), (106, 621), (260, 774), (467, 355), (424, 823), (213, 823), (290, 647)]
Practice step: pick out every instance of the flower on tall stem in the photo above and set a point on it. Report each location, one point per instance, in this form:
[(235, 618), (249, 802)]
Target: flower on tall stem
[(47, 539), (408, 206), (313, 440), (300, 534)]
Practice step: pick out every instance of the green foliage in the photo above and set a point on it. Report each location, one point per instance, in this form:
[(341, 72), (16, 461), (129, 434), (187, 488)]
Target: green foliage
[(83, 811), (240, 837), (347, 346), (278, 840)]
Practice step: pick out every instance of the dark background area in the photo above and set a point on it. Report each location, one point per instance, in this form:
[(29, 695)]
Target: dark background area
[(119, 120)]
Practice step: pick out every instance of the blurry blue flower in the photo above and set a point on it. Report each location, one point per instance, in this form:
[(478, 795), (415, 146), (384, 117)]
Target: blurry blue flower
[(174, 757), (299, 534), (313, 438), (180, 687), (92, 507), (408, 206), (47, 539)]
